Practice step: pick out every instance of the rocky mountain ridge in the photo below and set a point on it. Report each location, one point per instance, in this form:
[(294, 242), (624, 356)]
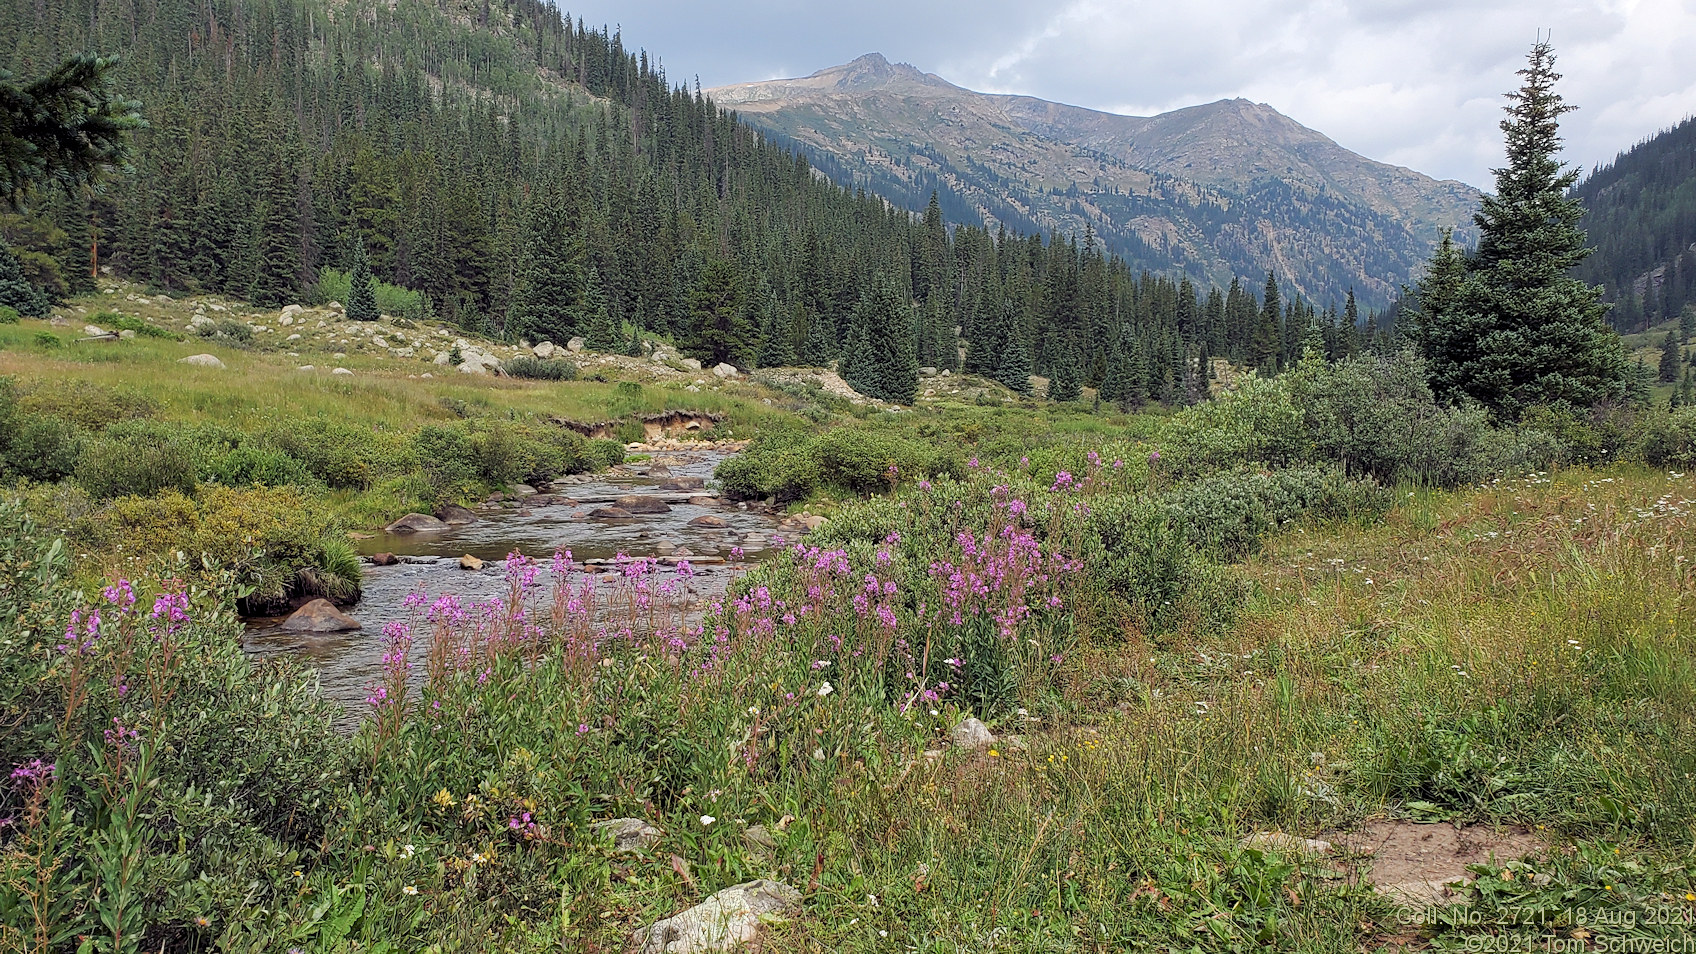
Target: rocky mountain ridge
[(1223, 190)]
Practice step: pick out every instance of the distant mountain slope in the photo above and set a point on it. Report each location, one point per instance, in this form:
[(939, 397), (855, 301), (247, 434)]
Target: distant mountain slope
[(1226, 190), (1641, 219)]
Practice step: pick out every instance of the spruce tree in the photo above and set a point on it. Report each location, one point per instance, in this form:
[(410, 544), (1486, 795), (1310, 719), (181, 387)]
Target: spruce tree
[(777, 333), (720, 331), (66, 129), (1436, 323), (362, 288), (1014, 367), (1351, 327), (1268, 342), (601, 331), (548, 276), (275, 250), (884, 363), (1520, 331), (1063, 384), (1670, 359), (15, 290), (1687, 324)]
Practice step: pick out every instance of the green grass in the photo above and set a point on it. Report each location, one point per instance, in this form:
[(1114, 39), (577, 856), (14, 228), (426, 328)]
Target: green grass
[(1513, 654)]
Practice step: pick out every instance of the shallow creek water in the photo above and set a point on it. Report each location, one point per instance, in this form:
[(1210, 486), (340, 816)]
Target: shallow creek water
[(536, 527)]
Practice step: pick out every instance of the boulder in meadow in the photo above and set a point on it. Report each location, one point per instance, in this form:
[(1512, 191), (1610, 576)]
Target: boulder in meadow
[(969, 733), (727, 920)]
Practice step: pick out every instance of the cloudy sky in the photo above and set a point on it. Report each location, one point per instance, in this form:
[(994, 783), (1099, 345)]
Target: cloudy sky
[(1413, 82)]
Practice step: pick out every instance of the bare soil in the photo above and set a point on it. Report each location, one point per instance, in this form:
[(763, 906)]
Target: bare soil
[(1415, 864)]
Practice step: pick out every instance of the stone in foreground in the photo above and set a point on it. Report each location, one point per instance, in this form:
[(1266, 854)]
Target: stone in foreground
[(629, 834), (320, 616), (723, 922), (469, 562), (971, 734), (417, 523), (203, 361)]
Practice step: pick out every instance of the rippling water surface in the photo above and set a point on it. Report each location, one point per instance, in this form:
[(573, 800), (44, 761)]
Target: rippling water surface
[(349, 662)]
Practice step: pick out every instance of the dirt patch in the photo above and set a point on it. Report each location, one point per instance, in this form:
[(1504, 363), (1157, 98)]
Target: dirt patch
[(1414, 864)]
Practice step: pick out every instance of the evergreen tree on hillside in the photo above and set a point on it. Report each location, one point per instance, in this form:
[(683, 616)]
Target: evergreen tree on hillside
[(275, 264), (1064, 385), (1519, 331), (1436, 322), (777, 333), (1687, 324), (362, 289), (1014, 367), (1350, 330), (15, 290), (856, 365), (1124, 379), (601, 331), (1268, 342), (549, 280), (884, 363), (720, 332), (1670, 359)]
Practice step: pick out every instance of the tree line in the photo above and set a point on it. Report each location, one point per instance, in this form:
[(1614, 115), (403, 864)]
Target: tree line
[(535, 178)]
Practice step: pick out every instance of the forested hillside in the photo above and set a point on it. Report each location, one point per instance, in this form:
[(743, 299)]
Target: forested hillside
[(1641, 219), (536, 178)]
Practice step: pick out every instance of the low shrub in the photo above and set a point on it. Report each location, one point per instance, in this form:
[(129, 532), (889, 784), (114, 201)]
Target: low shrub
[(48, 340), (228, 329), (1136, 556), (793, 464), (781, 469), (449, 461), (538, 369), (1376, 416), (605, 452), (40, 448), (88, 405), (1227, 515), (341, 455), (1670, 440), (1258, 422), (9, 315), (139, 458), (249, 464), (279, 543)]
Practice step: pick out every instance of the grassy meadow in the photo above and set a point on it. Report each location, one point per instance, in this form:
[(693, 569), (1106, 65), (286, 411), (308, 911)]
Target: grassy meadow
[(1319, 606)]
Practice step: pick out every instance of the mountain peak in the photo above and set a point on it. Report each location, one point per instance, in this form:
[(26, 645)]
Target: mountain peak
[(865, 74), (1224, 189), (872, 71)]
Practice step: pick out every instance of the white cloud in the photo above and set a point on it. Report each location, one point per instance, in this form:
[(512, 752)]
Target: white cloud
[(1414, 82)]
